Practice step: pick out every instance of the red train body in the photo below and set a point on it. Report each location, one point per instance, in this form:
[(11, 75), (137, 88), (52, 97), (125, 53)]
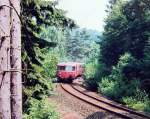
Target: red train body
[(69, 71)]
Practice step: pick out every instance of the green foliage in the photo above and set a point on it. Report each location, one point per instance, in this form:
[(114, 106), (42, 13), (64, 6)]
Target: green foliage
[(120, 88), (116, 85), (38, 86), (117, 89), (37, 15), (53, 34), (139, 101), (81, 45), (90, 71), (40, 110), (50, 65), (112, 45), (125, 31), (126, 77), (91, 59)]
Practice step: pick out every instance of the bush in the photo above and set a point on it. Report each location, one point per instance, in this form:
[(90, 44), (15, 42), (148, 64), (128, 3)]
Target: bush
[(139, 101), (91, 84), (50, 65), (115, 85), (40, 109), (106, 87), (90, 71), (118, 87)]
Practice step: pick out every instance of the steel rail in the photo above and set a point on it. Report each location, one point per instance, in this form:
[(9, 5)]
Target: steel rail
[(114, 105), (130, 114)]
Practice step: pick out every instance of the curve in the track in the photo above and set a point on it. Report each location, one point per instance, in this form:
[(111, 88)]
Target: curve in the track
[(117, 106), (123, 112)]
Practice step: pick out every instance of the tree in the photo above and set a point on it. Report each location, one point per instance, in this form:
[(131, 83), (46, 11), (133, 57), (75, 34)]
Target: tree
[(38, 15), (16, 78), (114, 42), (127, 30), (5, 110), (80, 45), (57, 35)]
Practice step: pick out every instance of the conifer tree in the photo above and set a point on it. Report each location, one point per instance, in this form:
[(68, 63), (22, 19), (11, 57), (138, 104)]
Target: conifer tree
[(36, 16)]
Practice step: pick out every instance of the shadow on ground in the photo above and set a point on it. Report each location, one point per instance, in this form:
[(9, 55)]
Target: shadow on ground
[(98, 115)]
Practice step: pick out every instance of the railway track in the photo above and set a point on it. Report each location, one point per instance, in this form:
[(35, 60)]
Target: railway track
[(80, 93)]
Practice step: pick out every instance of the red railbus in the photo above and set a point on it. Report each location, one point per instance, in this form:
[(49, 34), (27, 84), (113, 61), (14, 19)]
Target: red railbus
[(69, 71)]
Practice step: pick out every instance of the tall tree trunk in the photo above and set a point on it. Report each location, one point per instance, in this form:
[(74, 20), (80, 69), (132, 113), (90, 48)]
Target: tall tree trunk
[(16, 81), (5, 109)]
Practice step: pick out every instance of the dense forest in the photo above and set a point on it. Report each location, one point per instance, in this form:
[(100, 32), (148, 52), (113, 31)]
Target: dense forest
[(117, 61), (123, 70)]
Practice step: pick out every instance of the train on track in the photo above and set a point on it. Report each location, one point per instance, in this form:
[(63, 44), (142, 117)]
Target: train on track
[(69, 71)]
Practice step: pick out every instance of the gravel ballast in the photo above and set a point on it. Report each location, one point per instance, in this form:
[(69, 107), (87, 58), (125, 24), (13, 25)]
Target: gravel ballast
[(68, 105)]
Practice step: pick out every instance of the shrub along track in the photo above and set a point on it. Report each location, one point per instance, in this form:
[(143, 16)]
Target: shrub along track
[(102, 103)]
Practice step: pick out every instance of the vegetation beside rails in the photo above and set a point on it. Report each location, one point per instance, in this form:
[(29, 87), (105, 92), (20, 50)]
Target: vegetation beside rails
[(117, 87), (41, 110), (122, 72)]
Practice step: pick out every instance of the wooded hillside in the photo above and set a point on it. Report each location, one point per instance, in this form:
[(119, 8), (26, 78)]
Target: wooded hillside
[(124, 65)]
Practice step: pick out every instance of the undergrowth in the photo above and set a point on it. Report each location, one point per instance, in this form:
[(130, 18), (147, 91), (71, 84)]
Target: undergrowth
[(40, 109), (127, 91)]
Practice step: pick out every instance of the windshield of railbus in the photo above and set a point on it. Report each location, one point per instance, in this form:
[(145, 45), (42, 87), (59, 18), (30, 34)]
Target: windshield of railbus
[(66, 68)]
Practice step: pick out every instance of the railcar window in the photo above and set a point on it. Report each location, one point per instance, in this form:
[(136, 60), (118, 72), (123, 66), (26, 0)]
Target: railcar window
[(61, 68), (73, 68), (68, 68)]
